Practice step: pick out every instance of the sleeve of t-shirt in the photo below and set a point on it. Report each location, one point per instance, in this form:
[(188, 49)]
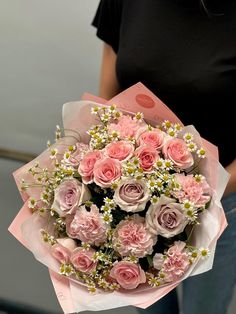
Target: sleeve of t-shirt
[(107, 20)]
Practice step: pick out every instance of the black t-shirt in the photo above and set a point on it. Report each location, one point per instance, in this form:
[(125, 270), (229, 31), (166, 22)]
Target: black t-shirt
[(184, 56)]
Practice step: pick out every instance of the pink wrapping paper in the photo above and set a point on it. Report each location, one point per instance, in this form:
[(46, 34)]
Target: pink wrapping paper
[(76, 116)]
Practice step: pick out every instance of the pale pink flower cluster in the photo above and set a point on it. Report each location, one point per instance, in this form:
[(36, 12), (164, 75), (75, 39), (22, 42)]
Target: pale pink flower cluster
[(131, 237), (87, 226), (174, 263), (126, 127), (196, 192)]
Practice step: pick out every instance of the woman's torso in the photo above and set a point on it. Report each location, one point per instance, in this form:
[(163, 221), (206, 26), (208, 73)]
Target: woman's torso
[(187, 58)]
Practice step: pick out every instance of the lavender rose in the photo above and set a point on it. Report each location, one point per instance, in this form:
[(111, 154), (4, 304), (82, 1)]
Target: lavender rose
[(68, 195), (166, 217), (132, 195)]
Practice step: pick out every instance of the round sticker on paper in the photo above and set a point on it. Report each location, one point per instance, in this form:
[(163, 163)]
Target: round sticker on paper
[(144, 101)]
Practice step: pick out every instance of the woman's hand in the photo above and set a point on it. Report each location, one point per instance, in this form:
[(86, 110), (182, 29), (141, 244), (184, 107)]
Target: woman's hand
[(231, 186), (108, 86)]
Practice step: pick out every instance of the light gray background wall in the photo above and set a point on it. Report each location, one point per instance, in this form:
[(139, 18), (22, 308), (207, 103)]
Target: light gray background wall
[(49, 55)]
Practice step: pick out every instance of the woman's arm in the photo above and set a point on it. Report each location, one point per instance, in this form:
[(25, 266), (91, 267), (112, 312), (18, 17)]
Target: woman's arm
[(108, 86), (231, 186)]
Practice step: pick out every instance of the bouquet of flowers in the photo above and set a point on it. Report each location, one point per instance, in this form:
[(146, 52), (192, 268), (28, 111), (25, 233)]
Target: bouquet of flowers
[(126, 203)]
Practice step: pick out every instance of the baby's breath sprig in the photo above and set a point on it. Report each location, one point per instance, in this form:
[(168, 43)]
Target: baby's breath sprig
[(32, 203), (131, 258), (152, 280), (190, 211), (47, 238), (99, 133), (57, 133), (59, 224), (66, 269), (110, 203), (85, 245)]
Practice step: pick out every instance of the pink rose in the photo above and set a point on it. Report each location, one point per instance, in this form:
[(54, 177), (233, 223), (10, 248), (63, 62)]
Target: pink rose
[(131, 237), (147, 156), (86, 166), (82, 260), (177, 262), (78, 154), (190, 189), (106, 171), (154, 138), (121, 150), (126, 127), (132, 195), (61, 251), (166, 217), (69, 195), (87, 226), (128, 275), (177, 151)]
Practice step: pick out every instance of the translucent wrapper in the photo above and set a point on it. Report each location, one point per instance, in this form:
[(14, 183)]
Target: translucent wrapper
[(26, 226)]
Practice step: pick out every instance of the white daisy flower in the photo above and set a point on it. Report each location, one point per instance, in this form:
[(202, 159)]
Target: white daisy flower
[(201, 153), (191, 214), (53, 153), (166, 124), (192, 147), (154, 199), (160, 164), (172, 132), (138, 116), (95, 110), (188, 137), (107, 217), (66, 156), (204, 252), (168, 164), (199, 178), (32, 203)]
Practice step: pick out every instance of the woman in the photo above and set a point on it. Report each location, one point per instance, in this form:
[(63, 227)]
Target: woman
[(185, 52)]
